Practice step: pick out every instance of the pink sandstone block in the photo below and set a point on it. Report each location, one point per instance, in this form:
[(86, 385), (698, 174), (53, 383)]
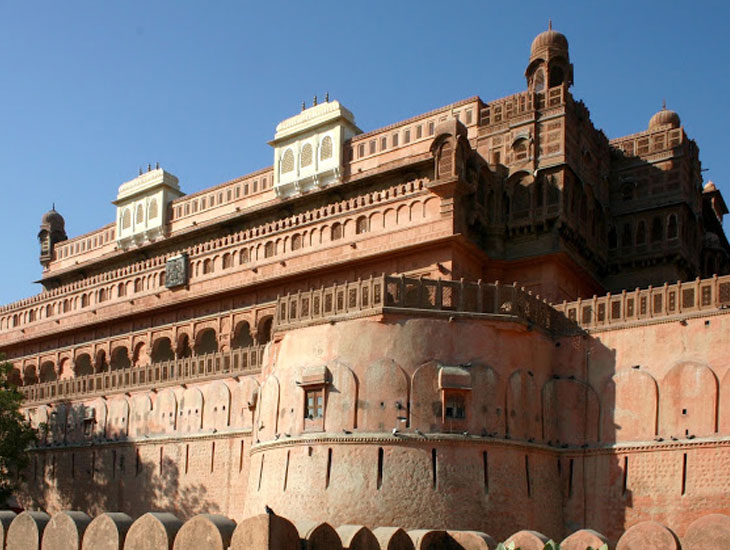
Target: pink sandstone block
[(266, 531), (107, 532), (710, 531), (648, 535), (26, 530), (65, 531)]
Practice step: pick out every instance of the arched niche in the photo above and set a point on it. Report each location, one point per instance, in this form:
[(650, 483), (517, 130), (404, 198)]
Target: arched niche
[(570, 411), (688, 401), (140, 411), (242, 335), (629, 407), (118, 422), (206, 342), (164, 417), (522, 406), (341, 412), (244, 399), (384, 392), (217, 409), (487, 412), (162, 350), (267, 411), (425, 409), (190, 412), (120, 358), (724, 416)]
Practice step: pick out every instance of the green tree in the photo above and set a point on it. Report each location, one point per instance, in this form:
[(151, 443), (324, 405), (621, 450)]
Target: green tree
[(16, 433)]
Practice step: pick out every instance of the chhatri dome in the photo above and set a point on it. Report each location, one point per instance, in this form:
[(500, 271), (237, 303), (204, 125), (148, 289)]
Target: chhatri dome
[(664, 117), (549, 39)]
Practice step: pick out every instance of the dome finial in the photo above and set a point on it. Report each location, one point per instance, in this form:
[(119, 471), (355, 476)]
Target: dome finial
[(664, 104), (550, 24)]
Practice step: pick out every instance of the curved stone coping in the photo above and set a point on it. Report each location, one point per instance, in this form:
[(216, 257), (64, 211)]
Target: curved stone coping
[(266, 531), (26, 530), (393, 538), (585, 538), (107, 532), (6, 518), (528, 540), (65, 531), (153, 531), (208, 531), (318, 536), (648, 535), (711, 531)]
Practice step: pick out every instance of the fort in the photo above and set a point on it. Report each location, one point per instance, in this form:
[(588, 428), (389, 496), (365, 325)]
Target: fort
[(488, 318)]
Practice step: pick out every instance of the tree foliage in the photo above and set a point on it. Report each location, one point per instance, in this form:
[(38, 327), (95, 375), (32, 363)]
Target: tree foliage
[(16, 433)]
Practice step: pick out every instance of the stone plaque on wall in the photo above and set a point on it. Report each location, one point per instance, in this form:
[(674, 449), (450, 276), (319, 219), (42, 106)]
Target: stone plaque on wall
[(176, 271)]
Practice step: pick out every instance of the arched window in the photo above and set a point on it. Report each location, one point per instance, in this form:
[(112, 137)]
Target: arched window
[(153, 212), (138, 285), (227, 261), (207, 267), (612, 238), (269, 250), (519, 149), (539, 81), (325, 148), (162, 350), (126, 218), (306, 155), (445, 164), (296, 242), (657, 230), (336, 231), (102, 295), (672, 231), (556, 76), (121, 290), (641, 233), (287, 161), (120, 359), (84, 300), (242, 336), (521, 199), (206, 342), (362, 225), (626, 237), (140, 214), (243, 256)]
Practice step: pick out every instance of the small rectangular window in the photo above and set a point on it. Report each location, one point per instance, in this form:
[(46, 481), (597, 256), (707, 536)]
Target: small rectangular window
[(314, 403), (395, 140), (468, 116), (430, 128), (361, 150), (407, 136), (255, 185), (245, 189), (372, 147), (419, 131), (454, 407), (383, 143)]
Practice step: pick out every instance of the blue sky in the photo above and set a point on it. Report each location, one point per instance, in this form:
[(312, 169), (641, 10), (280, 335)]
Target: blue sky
[(91, 91)]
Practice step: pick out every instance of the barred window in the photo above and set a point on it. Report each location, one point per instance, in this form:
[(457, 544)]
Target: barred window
[(326, 148), (306, 158), (287, 162)]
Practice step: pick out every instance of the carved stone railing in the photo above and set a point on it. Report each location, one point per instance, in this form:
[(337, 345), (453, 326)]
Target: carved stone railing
[(176, 371), (680, 299), (402, 294)]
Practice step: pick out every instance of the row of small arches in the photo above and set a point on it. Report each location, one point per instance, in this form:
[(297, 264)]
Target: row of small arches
[(306, 155), (161, 350), (368, 199), (139, 218)]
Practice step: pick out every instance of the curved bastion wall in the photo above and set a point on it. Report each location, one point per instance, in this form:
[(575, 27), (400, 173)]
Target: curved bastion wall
[(408, 427)]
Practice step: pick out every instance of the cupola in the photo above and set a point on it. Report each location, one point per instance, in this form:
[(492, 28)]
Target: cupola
[(52, 231), (549, 64), (663, 118), (309, 148)]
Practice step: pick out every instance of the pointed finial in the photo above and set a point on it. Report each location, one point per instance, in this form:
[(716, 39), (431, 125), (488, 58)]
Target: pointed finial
[(550, 24), (314, 104), (157, 165), (304, 105), (54, 206), (326, 97), (140, 170), (149, 167), (664, 104)]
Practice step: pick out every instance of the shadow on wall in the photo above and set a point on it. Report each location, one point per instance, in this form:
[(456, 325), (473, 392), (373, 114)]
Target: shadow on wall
[(100, 474)]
